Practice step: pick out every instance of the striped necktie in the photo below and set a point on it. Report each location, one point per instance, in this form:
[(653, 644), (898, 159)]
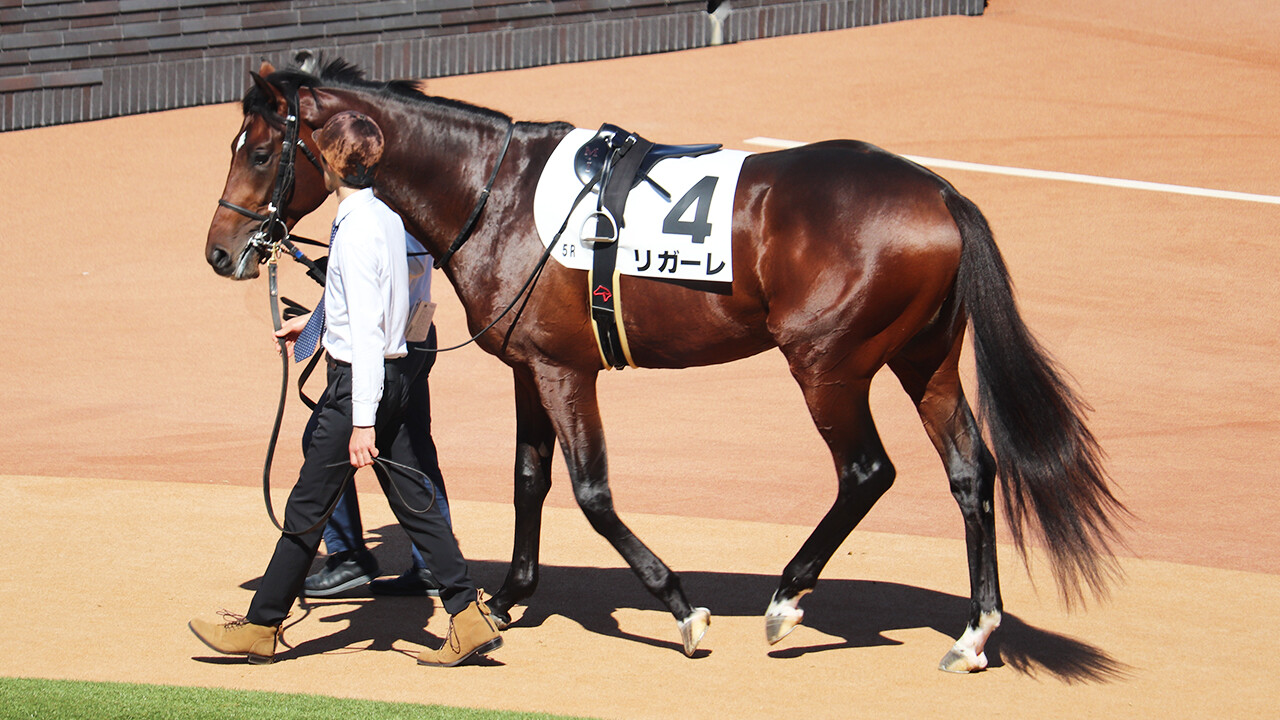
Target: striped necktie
[(309, 339)]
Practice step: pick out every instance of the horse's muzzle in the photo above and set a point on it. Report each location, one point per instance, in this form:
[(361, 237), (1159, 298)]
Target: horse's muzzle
[(240, 266), (220, 260)]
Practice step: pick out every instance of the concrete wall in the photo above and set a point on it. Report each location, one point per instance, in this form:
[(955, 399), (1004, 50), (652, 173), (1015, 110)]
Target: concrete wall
[(68, 61)]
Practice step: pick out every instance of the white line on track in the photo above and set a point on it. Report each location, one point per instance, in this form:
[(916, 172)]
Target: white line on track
[(1054, 175)]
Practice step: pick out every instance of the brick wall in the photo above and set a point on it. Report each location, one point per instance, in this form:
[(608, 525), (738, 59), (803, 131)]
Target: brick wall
[(73, 60)]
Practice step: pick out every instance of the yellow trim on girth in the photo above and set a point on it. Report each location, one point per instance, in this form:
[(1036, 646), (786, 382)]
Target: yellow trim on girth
[(617, 316)]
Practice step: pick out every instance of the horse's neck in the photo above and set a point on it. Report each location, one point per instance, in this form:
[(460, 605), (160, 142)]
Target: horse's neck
[(431, 174), (442, 187)]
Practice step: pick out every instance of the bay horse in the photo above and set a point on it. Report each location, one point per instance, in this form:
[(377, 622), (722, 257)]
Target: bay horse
[(848, 258)]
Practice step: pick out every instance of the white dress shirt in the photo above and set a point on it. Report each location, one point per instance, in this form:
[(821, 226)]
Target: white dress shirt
[(366, 297)]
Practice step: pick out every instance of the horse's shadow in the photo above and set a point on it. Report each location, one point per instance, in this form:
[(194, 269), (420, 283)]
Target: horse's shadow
[(859, 612)]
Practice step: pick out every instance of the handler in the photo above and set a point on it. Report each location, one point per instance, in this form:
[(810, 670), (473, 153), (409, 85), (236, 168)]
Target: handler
[(365, 311)]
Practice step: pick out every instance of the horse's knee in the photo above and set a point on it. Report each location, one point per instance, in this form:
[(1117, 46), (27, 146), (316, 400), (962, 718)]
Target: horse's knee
[(596, 502), (522, 581), (868, 480), (532, 476), (531, 489)]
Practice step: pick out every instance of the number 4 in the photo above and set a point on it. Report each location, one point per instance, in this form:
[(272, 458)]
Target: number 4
[(698, 228)]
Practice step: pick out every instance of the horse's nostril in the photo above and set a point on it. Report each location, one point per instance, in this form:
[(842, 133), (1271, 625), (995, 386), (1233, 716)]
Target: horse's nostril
[(220, 259)]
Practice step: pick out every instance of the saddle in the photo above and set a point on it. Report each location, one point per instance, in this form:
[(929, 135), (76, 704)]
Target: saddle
[(617, 161), (595, 152)]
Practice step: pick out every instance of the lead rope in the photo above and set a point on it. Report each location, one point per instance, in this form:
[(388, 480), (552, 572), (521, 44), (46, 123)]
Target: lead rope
[(274, 292), (284, 184)]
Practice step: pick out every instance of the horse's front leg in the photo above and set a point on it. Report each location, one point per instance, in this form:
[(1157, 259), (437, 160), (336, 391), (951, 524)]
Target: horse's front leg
[(570, 400), (535, 443)]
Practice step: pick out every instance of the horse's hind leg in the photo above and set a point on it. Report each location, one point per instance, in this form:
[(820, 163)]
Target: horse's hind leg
[(842, 414), (928, 372)]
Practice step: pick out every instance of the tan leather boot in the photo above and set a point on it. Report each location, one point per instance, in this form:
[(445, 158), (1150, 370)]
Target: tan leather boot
[(238, 637), (471, 631)]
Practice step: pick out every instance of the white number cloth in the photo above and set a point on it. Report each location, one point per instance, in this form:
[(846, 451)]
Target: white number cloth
[(686, 237)]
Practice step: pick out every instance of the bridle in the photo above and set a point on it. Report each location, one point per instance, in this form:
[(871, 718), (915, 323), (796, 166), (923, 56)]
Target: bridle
[(273, 233)]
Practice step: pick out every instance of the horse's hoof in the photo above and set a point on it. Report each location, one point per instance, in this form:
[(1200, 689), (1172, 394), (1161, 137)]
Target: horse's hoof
[(501, 618), (780, 625), (966, 655), (781, 618), (693, 628), (963, 661)]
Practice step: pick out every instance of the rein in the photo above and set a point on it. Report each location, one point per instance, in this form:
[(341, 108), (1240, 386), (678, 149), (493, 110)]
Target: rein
[(470, 224)]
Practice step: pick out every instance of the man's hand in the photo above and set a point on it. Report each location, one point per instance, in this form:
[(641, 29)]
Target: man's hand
[(362, 446), (289, 331)]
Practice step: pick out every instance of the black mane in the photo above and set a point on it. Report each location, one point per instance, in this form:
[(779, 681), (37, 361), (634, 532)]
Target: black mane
[(340, 73)]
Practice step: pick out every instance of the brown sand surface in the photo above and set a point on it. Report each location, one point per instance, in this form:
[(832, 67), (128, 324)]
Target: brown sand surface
[(140, 388)]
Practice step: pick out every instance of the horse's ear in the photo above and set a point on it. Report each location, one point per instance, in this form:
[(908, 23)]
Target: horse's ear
[(270, 91), (266, 69), (263, 86)]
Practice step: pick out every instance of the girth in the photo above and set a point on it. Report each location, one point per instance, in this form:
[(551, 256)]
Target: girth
[(622, 160)]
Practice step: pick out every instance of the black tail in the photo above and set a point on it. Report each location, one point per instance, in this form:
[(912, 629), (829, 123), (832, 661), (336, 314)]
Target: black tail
[(1050, 465)]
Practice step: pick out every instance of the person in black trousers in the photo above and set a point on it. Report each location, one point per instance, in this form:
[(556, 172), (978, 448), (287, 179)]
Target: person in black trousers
[(364, 314), (350, 564)]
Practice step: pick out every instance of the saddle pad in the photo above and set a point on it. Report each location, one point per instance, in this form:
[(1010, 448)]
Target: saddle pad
[(684, 238)]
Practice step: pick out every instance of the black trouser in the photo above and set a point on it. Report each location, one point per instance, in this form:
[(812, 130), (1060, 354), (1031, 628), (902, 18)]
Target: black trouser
[(345, 531), (326, 467)]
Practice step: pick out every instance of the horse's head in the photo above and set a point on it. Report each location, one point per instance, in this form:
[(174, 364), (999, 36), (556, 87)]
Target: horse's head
[(271, 184)]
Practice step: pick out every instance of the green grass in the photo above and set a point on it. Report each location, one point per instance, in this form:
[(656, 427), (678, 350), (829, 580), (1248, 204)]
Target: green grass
[(59, 699)]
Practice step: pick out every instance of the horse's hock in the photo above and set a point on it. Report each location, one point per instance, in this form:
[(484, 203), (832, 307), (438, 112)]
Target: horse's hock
[(70, 61)]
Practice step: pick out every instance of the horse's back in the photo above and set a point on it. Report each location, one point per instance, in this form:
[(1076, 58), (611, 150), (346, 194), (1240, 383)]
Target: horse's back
[(834, 242)]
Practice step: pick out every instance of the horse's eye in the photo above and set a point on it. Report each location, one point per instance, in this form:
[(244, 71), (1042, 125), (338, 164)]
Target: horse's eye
[(260, 157)]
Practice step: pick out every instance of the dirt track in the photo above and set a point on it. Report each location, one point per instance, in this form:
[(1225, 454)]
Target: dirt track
[(129, 469)]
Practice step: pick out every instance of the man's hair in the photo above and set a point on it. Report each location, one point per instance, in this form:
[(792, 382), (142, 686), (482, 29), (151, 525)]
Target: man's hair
[(351, 143)]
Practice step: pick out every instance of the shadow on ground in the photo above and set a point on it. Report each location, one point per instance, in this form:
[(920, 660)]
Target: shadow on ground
[(858, 611)]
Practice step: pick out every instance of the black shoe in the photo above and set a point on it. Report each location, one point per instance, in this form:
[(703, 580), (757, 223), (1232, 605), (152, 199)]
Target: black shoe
[(414, 581), (342, 571)]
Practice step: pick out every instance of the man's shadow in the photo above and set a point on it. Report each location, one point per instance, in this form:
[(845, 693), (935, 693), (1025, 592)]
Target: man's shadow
[(859, 612)]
